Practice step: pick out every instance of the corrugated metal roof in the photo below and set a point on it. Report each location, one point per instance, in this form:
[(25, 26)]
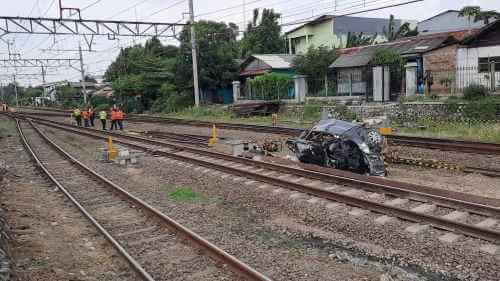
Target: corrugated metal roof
[(278, 61), (362, 56)]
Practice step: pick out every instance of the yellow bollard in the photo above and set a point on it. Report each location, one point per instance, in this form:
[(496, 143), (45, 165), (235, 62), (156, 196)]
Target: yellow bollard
[(112, 152), (213, 140), (385, 131)]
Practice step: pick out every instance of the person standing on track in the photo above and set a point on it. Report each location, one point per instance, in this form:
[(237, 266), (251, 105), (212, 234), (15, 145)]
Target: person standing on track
[(91, 116), (77, 114), (102, 116), (113, 119), (86, 117), (119, 118)]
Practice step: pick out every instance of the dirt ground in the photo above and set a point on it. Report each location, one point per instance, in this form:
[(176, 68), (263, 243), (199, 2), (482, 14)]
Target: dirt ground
[(50, 238)]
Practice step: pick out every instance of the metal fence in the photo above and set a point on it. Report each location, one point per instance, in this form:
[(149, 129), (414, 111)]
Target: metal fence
[(456, 80), (249, 92), (321, 87)]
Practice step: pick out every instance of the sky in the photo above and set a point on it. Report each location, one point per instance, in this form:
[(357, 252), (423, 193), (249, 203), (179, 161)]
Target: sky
[(237, 11)]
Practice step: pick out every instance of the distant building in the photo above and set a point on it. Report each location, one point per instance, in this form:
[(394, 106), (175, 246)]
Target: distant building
[(447, 21), (273, 63), (331, 31)]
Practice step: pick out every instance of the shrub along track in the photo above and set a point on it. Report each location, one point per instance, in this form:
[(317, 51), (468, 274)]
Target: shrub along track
[(409, 202), (147, 239)]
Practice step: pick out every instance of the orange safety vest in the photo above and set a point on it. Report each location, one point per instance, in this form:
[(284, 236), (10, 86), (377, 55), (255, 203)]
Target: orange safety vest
[(119, 115), (85, 115), (114, 115)]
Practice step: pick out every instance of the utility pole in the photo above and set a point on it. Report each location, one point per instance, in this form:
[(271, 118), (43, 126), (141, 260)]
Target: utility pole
[(195, 56), (15, 91), (83, 75)]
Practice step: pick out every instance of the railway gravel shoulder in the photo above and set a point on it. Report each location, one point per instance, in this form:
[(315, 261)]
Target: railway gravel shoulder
[(50, 240), (309, 219)]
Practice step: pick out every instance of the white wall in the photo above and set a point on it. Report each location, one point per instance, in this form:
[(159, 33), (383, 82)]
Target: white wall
[(468, 66)]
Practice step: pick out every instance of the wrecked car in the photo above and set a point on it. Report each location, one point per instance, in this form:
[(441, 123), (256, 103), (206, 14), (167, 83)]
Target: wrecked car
[(341, 145)]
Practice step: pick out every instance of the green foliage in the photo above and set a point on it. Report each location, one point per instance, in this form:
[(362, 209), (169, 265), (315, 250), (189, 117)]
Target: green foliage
[(179, 102), (102, 106), (404, 30), (477, 14), (264, 37), (312, 112), (482, 109), (387, 57), (315, 63), (475, 92), (217, 47), (271, 86), (185, 195), (358, 40)]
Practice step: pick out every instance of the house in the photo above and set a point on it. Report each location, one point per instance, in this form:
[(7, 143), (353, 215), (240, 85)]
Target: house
[(259, 64), (478, 58), (332, 32), (354, 67), (447, 21)]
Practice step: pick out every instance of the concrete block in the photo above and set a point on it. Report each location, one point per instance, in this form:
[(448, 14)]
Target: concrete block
[(456, 216), (206, 171), (384, 219), (416, 228), (122, 162), (396, 202), (487, 223), (424, 208), (133, 160), (237, 179), (450, 237), (357, 212), (250, 182), (489, 249)]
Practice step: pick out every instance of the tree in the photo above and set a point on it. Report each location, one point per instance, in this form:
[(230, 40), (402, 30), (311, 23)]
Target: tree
[(403, 31), (475, 12), (357, 40), (315, 64), (264, 37), (217, 49)]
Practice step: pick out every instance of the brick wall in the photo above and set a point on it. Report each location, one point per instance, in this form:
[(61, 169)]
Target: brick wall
[(442, 63)]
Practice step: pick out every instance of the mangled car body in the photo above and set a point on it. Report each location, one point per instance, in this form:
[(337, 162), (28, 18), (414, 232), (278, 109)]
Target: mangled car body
[(341, 145)]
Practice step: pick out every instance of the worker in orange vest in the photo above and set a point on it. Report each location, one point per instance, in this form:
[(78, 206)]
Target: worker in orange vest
[(119, 118), (91, 116), (113, 119), (86, 117)]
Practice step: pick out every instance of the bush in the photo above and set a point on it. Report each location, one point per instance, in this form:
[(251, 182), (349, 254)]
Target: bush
[(271, 86), (475, 92), (482, 109)]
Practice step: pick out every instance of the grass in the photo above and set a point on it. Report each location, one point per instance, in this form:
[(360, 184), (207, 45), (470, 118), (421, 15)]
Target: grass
[(483, 132), (183, 194), (220, 114)]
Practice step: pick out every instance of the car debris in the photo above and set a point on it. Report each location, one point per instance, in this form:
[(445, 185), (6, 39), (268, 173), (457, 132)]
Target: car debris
[(341, 145)]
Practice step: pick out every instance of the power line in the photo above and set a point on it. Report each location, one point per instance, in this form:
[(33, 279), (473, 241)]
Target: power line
[(166, 8), (226, 9)]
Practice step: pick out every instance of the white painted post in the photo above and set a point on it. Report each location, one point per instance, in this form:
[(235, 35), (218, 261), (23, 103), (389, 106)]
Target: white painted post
[(236, 91)]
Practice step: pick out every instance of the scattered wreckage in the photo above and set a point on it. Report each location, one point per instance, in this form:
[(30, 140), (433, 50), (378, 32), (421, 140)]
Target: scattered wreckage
[(341, 145)]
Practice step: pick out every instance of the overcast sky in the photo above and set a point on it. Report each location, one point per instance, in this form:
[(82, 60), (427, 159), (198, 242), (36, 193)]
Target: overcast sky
[(30, 46)]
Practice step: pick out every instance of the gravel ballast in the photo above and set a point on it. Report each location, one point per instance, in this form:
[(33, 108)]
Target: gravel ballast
[(292, 239)]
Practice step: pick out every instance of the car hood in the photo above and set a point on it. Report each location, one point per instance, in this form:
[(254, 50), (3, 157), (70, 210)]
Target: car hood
[(334, 127)]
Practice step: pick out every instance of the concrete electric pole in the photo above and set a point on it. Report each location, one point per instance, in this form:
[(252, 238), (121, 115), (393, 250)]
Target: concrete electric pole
[(84, 89), (15, 91), (195, 56)]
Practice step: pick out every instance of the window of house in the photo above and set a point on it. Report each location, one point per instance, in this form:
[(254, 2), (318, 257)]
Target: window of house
[(484, 64)]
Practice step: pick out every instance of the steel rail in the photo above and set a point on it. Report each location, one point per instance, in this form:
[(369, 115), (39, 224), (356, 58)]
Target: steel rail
[(235, 264), (436, 222), (474, 204), (134, 263)]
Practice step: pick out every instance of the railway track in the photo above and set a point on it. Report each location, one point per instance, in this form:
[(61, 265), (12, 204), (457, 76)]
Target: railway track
[(145, 237), (423, 206), (429, 143)]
